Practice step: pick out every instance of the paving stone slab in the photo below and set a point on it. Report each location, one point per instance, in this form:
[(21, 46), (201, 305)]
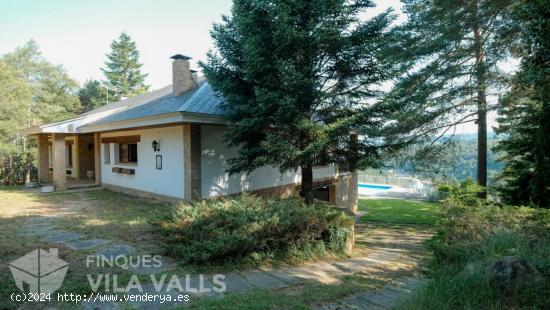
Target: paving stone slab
[(33, 230), (166, 264), (400, 289), (384, 256), (389, 293), (263, 280), (120, 249), (52, 232), (87, 244), (306, 274), (62, 237), (351, 266), (200, 286), (236, 283), (377, 299), (283, 276)]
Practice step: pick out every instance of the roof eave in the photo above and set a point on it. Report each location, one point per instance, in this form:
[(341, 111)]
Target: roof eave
[(164, 119)]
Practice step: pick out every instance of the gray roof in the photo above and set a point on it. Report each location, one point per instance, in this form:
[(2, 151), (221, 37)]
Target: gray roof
[(201, 100)]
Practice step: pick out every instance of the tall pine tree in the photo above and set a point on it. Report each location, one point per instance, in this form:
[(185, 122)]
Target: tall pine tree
[(296, 76), (525, 112), (448, 53), (124, 78)]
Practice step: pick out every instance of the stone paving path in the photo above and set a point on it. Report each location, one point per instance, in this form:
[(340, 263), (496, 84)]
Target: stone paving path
[(390, 250), (44, 227), (385, 298)]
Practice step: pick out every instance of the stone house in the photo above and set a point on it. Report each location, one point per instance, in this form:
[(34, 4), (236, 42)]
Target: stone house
[(166, 144)]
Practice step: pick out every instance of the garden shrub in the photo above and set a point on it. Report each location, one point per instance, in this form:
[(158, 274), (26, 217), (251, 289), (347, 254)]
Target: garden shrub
[(471, 239), (254, 229)]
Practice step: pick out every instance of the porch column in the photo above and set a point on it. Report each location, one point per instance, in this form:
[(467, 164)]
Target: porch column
[(192, 161), (97, 158), (76, 157), (43, 159), (59, 162)]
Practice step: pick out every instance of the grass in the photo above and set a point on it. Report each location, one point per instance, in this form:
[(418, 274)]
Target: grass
[(113, 216), (117, 216), (470, 241), (101, 214), (400, 211)]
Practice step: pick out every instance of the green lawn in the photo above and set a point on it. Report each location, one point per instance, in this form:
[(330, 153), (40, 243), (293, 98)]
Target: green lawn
[(400, 211)]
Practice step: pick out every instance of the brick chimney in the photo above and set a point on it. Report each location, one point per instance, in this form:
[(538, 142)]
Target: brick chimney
[(182, 76)]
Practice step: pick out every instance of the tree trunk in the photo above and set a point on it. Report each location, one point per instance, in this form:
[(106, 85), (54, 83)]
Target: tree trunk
[(481, 112), (307, 184)]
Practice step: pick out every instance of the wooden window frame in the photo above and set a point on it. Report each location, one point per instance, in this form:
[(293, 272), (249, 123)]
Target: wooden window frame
[(127, 153)]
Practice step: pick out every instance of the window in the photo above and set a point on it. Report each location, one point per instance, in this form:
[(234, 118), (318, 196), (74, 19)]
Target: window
[(69, 154), (50, 155), (127, 153), (107, 153)]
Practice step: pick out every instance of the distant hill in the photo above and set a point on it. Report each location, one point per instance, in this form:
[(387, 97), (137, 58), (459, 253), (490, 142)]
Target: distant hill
[(466, 158), (455, 163)]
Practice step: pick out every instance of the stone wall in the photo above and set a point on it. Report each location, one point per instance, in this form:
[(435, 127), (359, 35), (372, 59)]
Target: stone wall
[(346, 191)]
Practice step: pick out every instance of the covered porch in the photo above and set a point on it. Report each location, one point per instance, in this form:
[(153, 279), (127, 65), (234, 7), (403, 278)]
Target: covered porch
[(68, 161)]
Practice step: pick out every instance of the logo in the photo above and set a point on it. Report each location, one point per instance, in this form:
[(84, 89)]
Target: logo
[(39, 272)]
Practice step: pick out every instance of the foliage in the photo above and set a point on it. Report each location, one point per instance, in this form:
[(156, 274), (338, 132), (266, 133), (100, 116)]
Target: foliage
[(32, 91), (470, 240), (450, 161), (15, 98), (400, 211), (92, 95), (296, 77), (465, 194), (53, 91), (525, 112), (446, 58), (251, 229), (16, 163), (124, 78)]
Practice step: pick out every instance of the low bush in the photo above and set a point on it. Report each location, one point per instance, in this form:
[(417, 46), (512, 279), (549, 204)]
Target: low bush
[(252, 229), (475, 238)]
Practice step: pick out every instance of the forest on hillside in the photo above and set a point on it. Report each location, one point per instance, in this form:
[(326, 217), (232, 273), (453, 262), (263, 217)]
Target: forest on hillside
[(455, 160)]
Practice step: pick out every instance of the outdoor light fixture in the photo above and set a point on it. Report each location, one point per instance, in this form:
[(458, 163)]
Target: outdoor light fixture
[(156, 146)]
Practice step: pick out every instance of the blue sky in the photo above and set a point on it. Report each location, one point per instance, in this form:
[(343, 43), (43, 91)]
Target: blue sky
[(77, 34)]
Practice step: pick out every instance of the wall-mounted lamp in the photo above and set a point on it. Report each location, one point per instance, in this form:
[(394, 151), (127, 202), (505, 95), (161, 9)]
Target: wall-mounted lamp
[(156, 146)]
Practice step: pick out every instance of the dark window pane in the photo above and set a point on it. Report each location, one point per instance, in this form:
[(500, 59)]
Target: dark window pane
[(70, 148), (132, 153)]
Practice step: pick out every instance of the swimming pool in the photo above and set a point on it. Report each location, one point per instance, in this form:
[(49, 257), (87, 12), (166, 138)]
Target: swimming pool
[(373, 186)]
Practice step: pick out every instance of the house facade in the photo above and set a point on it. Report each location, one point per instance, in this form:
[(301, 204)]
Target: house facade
[(166, 144)]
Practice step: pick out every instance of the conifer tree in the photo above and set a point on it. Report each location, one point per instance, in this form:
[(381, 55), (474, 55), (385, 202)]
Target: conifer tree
[(447, 53), (92, 95), (122, 71), (525, 112), (296, 77)]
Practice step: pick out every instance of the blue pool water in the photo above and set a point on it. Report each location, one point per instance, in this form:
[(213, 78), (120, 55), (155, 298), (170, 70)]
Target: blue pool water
[(372, 186)]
